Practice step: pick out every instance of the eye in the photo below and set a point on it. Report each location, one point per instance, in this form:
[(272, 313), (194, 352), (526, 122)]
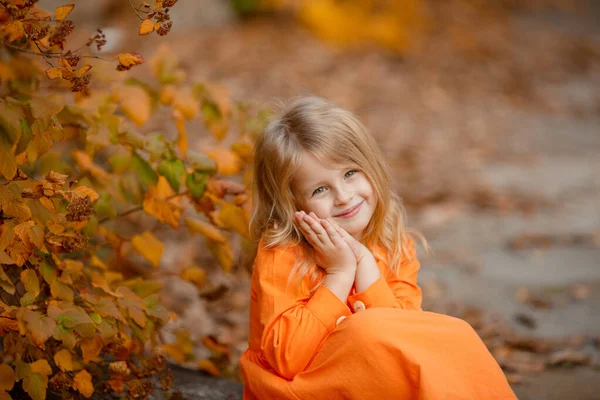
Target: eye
[(350, 173), (319, 190)]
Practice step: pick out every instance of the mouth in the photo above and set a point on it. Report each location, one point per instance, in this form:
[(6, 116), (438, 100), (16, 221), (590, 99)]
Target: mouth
[(351, 212)]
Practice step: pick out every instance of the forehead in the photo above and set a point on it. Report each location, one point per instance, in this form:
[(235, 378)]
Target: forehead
[(312, 170)]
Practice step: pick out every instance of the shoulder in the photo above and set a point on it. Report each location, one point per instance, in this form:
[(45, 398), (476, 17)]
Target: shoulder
[(280, 257)]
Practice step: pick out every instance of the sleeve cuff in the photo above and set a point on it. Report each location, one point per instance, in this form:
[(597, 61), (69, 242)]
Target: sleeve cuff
[(379, 294), (327, 307)]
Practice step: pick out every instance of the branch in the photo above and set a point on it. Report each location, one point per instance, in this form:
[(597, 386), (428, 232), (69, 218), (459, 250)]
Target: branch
[(136, 11), (53, 55), (140, 208)]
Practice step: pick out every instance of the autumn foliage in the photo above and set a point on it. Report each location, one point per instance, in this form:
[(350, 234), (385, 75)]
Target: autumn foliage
[(80, 179)]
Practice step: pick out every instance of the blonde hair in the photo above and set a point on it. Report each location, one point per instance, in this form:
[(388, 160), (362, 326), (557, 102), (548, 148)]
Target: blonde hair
[(333, 135)]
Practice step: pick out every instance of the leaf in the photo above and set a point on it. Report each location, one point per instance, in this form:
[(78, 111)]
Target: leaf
[(228, 163), (61, 291), (54, 73), (66, 336), (41, 367), (195, 275), (86, 191), (64, 360), (86, 163), (149, 247), (63, 11), (36, 385), (70, 318), (204, 228), (83, 383), (35, 324), (7, 377), (8, 162), (160, 203), (208, 366), (14, 30), (135, 102), (173, 171), (128, 60), (48, 204), (143, 168), (90, 347), (223, 253), (185, 102), (146, 27), (233, 217), (201, 163), (5, 282), (31, 281), (196, 183), (182, 141)]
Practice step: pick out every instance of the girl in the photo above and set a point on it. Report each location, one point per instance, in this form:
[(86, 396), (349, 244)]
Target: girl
[(335, 306)]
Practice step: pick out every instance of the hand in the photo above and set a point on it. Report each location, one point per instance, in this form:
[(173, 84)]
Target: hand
[(334, 254), (359, 250)]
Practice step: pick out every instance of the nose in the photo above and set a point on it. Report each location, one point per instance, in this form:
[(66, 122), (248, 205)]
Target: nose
[(343, 196)]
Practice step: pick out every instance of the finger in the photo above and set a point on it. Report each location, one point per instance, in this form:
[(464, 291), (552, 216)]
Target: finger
[(318, 230), (349, 239), (308, 233), (331, 231)]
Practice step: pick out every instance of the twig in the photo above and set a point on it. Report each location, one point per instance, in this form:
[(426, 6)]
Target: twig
[(140, 208), (53, 55), (42, 53), (136, 11)]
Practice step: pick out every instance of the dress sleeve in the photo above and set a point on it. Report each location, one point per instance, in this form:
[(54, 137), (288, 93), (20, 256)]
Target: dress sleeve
[(295, 322), (391, 290)]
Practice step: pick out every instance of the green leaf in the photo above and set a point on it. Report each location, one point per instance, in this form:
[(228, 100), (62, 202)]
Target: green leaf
[(201, 162), (174, 171), (144, 169), (196, 183), (35, 385), (72, 318), (25, 137)]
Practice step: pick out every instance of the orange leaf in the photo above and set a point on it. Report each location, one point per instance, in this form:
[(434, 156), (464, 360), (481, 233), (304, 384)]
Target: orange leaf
[(209, 231), (41, 367), (47, 204), (159, 202), (195, 275), (90, 347), (86, 191), (64, 360), (83, 382), (135, 103), (233, 217), (146, 27), (228, 163), (128, 60), (149, 247), (54, 73), (7, 377), (63, 11), (209, 366)]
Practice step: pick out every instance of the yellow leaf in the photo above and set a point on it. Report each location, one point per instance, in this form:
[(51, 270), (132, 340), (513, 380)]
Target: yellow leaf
[(86, 191), (182, 141), (41, 367), (31, 282), (14, 30), (135, 103), (185, 102), (7, 377), (208, 366), (85, 163), (90, 347), (233, 217), (207, 230), (128, 60), (8, 162), (149, 247), (228, 163), (63, 11), (223, 253), (195, 275), (160, 203), (146, 27), (47, 204), (167, 94), (83, 382), (54, 73), (64, 360)]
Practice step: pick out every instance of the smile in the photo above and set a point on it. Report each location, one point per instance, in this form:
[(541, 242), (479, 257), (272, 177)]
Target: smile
[(350, 212)]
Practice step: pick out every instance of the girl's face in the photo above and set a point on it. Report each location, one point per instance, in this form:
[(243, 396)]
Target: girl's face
[(342, 193)]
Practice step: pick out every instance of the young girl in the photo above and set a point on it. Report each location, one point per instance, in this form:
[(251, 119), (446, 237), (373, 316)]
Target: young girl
[(335, 306)]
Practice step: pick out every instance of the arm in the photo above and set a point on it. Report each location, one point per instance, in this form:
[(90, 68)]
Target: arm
[(390, 290), (295, 323)]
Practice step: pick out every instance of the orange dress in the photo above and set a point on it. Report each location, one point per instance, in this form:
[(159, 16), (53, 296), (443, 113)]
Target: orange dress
[(386, 347)]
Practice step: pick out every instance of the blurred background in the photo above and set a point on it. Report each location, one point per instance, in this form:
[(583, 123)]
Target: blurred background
[(489, 115)]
